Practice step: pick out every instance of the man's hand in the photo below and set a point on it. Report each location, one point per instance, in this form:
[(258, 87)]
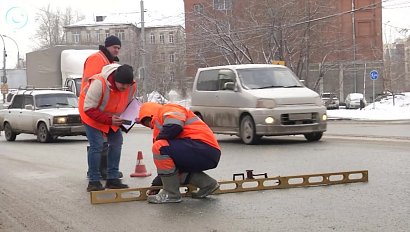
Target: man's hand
[(116, 121)]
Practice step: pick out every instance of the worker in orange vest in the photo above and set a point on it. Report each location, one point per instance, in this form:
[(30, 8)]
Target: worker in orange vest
[(107, 54), (103, 99), (183, 147)]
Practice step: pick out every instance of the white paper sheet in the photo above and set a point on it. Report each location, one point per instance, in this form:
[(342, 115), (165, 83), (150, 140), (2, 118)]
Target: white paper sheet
[(131, 113)]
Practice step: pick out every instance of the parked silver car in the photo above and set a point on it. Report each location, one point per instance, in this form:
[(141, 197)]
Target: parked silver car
[(330, 100), (45, 113), (353, 101)]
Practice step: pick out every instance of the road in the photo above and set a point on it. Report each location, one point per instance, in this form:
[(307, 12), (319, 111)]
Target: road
[(42, 186)]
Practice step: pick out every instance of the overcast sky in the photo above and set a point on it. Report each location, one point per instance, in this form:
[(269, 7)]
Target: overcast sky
[(17, 17)]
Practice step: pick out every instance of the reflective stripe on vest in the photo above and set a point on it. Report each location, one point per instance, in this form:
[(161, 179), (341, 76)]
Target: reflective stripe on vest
[(106, 97)]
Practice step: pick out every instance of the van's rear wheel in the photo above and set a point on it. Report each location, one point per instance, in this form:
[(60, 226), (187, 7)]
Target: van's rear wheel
[(314, 136), (248, 131)]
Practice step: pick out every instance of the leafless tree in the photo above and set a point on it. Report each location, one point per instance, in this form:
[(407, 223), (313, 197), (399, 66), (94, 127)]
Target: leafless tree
[(266, 30), (50, 25)]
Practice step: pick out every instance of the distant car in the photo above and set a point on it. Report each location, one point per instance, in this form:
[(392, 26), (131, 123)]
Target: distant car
[(330, 100), (353, 100), (4, 103), (45, 113)]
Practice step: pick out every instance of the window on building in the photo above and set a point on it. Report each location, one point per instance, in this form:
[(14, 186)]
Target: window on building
[(76, 37), (88, 36), (198, 8), (120, 34), (223, 4), (152, 38), (162, 38), (172, 76), (171, 37), (98, 36), (162, 56), (172, 57), (107, 33)]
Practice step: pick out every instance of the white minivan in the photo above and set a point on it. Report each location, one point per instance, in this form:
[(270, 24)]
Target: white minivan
[(255, 100)]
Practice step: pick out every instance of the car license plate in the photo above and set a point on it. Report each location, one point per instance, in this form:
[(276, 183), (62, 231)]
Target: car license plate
[(302, 116)]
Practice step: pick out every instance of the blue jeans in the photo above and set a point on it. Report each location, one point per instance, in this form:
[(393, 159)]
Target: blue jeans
[(96, 139)]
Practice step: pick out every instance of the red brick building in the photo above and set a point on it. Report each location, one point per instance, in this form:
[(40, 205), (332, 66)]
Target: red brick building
[(329, 43)]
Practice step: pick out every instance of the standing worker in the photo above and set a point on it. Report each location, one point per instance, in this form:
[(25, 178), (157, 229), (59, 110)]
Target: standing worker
[(183, 147), (107, 54), (104, 97)]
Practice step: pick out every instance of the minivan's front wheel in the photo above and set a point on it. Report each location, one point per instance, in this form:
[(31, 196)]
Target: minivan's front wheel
[(314, 136), (248, 131)]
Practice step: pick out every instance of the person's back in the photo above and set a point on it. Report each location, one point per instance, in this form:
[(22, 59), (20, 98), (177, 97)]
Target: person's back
[(194, 127)]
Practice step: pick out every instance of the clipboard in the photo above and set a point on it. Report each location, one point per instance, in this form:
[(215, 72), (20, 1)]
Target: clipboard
[(130, 114)]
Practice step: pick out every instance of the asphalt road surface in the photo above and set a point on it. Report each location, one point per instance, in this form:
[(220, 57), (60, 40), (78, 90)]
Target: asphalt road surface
[(43, 186)]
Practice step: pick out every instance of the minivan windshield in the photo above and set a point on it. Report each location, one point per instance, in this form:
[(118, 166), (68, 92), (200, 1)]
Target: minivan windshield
[(269, 77)]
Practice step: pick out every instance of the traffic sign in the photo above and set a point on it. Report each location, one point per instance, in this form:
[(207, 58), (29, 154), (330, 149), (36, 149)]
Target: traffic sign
[(4, 88), (374, 75)]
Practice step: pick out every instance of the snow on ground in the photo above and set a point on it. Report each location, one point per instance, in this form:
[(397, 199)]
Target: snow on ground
[(381, 110)]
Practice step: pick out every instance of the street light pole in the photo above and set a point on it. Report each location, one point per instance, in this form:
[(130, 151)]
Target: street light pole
[(18, 50), (142, 72), (4, 77)]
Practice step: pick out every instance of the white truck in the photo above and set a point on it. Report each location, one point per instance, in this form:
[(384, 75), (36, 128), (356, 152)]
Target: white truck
[(72, 66), (60, 66)]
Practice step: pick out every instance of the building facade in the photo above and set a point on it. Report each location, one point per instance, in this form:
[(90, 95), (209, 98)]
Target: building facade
[(164, 48), (331, 44)]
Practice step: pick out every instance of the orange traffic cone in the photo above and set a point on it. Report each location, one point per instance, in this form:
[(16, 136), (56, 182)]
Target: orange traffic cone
[(140, 170)]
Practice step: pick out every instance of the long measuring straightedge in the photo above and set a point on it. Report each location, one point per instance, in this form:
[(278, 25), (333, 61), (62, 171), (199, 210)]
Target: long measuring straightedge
[(234, 186)]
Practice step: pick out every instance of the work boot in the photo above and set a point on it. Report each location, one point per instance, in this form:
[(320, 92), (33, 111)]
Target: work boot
[(182, 176), (115, 184), (205, 183), (170, 192), (94, 186)]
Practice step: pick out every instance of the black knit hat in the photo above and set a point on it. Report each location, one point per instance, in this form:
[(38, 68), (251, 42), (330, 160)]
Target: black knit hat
[(124, 74), (112, 40)]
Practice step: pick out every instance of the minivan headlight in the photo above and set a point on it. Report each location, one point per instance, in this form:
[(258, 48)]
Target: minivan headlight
[(60, 120), (265, 103)]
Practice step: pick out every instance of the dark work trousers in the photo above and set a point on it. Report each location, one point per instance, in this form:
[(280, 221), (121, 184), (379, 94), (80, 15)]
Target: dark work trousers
[(190, 156)]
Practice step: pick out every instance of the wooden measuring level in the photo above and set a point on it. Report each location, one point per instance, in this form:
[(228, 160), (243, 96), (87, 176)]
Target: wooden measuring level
[(235, 186)]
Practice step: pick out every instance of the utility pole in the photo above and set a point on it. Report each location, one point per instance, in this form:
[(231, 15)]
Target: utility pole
[(142, 68), (354, 45), (18, 51), (4, 77)]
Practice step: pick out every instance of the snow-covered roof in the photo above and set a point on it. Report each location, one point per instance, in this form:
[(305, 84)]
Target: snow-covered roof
[(130, 18)]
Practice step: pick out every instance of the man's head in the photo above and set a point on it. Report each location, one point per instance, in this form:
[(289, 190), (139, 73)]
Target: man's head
[(113, 45), (124, 77), (147, 112)]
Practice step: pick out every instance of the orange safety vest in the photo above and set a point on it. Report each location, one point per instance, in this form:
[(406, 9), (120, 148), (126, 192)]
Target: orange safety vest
[(193, 126), (93, 65), (113, 102)]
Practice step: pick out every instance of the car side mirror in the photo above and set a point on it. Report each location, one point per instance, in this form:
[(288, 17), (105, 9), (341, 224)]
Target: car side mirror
[(29, 107), (229, 86)]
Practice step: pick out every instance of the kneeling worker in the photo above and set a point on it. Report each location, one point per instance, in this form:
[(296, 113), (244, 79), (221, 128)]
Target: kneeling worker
[(184, 146)]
